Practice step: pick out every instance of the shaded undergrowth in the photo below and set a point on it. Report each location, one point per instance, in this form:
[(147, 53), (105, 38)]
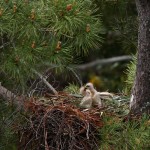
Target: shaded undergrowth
[(121, 134)]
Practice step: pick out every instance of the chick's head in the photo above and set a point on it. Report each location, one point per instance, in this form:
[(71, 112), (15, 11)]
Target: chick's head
[(89, 86)]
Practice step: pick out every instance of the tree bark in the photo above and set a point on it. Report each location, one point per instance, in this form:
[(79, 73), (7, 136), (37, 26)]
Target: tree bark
[(140, 101), (11, 97)]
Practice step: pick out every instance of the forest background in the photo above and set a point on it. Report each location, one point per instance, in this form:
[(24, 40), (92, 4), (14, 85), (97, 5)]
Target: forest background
[(111, 32)]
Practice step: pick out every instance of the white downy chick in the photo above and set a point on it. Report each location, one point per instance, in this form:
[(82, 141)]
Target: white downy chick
[(97, 96), (105, 95), (91, 88), (82, 91), (96, 100), (87, 100)]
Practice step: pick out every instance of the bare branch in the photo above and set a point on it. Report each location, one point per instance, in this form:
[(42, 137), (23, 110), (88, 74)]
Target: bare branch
[(45, 81), (10, 97), (76, 75), (104, 62)]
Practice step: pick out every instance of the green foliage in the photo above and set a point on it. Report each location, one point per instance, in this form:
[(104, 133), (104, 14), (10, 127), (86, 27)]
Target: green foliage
[(130, 72), (118, 132), (120, 21), (118, 105), (130, 135), (8, 138), (72, 88), (35, 32)]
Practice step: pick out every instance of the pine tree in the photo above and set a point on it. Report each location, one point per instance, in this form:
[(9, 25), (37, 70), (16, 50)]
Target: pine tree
[(38, 32)]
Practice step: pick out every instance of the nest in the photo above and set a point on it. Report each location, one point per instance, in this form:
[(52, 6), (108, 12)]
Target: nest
[(59, 127)]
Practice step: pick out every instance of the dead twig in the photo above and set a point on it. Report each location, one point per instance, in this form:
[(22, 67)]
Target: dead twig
[(45, 81)]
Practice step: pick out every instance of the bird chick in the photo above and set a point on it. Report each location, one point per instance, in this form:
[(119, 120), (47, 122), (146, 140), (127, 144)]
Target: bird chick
[(96, 100), (87, 100), (97, 96), (82, 91), (105, 95), (91, 88)]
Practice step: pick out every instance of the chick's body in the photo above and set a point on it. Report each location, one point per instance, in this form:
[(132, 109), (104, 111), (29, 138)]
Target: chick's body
[(96, 99), (98, 96), (87, 100), (82, 91)]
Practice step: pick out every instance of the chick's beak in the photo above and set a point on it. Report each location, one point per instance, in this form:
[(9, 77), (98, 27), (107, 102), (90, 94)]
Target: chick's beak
[(86, 87)]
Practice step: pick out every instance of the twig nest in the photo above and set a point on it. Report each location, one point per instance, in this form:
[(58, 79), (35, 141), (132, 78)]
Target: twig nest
[(60, 127)]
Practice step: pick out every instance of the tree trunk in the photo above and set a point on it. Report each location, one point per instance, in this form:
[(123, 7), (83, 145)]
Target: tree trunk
[(140, 101)]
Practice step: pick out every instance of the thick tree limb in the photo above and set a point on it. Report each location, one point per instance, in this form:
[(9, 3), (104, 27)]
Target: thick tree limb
[(19, 100), (10, 97), (104, 62)]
